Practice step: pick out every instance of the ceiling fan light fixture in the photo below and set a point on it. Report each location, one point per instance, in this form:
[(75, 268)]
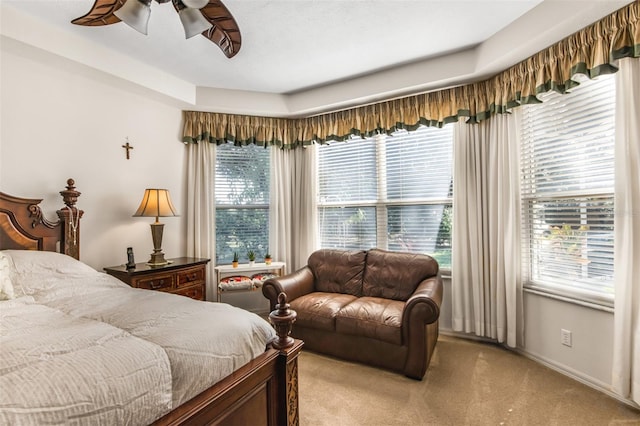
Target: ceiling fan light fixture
[(135, 13), (195, 4), (213, 21), (193, 22)]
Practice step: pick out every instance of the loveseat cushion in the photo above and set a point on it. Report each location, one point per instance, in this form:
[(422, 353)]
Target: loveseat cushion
[(396, 275), (338, 271), (372, 317), (318, 310)]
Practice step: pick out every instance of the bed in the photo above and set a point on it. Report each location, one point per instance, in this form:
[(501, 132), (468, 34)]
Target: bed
[(78, 346)]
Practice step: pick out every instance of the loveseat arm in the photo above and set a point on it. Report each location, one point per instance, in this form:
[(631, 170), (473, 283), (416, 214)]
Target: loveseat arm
[(420, 326), (423, 307), (296, 284)]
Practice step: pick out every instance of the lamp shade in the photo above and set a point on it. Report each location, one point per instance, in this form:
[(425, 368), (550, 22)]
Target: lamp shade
[(193, 22), (135, 13), (156, 203)]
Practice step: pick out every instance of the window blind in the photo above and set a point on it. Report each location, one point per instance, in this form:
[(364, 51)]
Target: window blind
[(242, 201), (567, 189), (347, 228), (347, 172), (419, 167), (347, 192), (419, 164), (392, 192)]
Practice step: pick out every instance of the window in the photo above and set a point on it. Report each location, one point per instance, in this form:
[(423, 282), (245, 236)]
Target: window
[(242, 201), (567, 190), (392, 192)]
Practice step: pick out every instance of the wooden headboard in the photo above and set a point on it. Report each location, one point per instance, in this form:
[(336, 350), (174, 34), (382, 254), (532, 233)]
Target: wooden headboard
[(23, 226)]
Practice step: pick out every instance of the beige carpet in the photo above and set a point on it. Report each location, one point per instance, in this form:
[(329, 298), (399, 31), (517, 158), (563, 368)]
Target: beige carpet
[(467, 383)]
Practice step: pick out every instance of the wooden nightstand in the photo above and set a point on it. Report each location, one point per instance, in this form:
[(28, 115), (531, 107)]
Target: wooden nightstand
[(186, 276)]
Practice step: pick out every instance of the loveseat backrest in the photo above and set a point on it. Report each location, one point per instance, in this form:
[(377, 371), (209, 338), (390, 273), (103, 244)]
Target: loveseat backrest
[(395, 275), (338, 271)]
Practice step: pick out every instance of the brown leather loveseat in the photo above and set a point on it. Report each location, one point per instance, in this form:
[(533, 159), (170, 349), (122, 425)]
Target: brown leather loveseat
[(376, 307)]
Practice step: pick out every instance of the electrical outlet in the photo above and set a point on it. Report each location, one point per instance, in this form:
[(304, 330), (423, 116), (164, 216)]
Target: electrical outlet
[(565, 337)]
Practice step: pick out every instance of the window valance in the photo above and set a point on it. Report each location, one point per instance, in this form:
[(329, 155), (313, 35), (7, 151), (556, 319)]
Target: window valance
[(240, 129), (591, 51)]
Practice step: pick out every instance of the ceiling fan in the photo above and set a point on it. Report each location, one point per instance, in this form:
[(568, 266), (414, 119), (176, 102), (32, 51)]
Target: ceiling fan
[(207, 17)]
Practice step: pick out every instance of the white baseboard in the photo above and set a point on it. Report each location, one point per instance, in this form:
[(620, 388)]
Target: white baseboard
[(578, 376), (448, 332)]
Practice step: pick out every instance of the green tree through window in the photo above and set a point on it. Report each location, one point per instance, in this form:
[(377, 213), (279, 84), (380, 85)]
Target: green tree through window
[(242, 201)]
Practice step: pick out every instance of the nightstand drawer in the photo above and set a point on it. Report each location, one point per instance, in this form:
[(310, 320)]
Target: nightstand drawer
[(191, 276), (194, 292), (157, 282)]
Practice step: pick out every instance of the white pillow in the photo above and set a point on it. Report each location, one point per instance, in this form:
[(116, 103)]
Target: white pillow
[(6, 270), (47, 262)]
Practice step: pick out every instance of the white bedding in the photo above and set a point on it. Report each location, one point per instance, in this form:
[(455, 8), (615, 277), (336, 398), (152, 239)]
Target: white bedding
[(103, 349)]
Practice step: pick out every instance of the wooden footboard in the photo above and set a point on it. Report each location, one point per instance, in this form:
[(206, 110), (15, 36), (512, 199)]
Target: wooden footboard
[(262, 392)]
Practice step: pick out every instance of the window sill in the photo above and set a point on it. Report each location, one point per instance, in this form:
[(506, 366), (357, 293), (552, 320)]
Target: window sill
[(584, 298)]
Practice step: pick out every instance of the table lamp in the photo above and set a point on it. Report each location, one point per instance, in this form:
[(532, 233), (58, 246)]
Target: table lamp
[(156, 203)]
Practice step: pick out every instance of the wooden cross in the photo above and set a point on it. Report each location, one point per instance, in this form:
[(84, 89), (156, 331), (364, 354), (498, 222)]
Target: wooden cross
[(127, 147)]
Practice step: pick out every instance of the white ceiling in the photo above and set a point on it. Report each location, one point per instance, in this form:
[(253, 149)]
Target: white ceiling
[(296, 48)]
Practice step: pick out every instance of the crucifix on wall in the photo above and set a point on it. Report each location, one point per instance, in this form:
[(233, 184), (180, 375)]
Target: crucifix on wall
[(127, 147)]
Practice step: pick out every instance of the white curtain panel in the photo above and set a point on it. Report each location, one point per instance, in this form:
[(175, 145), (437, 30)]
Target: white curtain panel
[(305, 206), (280, 205), (626, 349), (201, 207), (486, 275), (293, 212)]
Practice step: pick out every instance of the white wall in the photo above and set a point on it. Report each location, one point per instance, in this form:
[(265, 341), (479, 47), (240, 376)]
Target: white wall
[(591, 355), (62, 120)]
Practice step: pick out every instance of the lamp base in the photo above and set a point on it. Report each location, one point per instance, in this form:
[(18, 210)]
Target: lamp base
[(157, 259)]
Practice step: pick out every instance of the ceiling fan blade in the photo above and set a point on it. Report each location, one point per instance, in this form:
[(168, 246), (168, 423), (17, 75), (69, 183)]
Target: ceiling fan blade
[(225, 32), (101, 13)]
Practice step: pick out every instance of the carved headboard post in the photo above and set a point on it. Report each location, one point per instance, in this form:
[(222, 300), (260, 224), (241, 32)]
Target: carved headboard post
[(70, 217)]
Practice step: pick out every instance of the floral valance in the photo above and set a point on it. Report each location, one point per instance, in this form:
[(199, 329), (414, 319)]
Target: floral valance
[(592, 51)]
